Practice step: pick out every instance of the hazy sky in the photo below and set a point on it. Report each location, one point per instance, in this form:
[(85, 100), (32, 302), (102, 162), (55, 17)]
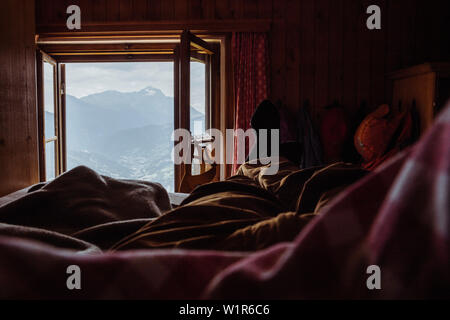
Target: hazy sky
[(83, 79)]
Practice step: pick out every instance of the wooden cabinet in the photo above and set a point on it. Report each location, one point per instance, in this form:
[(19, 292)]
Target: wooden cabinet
[(427, 85)]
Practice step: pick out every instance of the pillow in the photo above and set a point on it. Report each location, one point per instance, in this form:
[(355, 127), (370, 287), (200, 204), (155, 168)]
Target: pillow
[(376, 131)]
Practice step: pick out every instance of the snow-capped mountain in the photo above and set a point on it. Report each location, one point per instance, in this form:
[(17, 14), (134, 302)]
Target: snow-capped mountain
[(122, 134)]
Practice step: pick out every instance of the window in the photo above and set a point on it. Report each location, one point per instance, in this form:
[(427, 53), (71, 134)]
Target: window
[(50, 113), (50, 136), (119, 119), (121, 127), (198, 62), (198, 97)]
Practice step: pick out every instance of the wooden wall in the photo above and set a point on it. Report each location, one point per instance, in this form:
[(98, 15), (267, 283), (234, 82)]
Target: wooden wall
[(321, 50), (18, 127)]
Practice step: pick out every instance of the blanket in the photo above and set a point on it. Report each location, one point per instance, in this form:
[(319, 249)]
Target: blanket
[(396, 218), (78, 203), (248, 212), (111, 214)]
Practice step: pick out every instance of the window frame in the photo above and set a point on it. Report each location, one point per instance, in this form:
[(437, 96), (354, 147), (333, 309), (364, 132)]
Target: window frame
[(57, 138), (193, 48), (61, 52)]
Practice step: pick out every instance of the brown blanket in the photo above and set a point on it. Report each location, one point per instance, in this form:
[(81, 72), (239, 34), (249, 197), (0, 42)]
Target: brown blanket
[(85, 211), (249, 211), (80, 201)]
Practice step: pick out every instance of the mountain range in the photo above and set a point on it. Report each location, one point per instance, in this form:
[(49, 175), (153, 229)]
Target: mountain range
[(122, 134)]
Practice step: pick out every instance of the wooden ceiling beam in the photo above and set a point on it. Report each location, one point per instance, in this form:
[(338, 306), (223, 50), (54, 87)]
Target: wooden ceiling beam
[(159, 27)]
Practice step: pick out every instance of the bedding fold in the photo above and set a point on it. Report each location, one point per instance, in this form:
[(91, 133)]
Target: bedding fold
[(396, 217), (82, 199), (249, 211)]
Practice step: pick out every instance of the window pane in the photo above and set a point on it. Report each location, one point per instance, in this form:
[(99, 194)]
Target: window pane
[(49, 101), (197, 95), (50, 160), (119, 119)]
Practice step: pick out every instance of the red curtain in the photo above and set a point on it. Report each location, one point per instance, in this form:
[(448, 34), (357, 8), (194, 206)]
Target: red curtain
[(251, 80)]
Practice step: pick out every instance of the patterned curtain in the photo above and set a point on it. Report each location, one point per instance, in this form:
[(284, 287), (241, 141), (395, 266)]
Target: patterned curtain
[(251, 79)]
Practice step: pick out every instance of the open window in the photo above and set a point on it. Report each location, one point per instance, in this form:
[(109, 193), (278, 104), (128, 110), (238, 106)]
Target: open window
[(51, 117), (194, 61), (195, 52)]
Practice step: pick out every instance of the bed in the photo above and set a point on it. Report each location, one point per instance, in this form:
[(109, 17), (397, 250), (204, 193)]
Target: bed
[(300, 234)]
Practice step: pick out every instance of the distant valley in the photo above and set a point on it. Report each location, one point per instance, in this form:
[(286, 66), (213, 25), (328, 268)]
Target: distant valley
[(122, 135)]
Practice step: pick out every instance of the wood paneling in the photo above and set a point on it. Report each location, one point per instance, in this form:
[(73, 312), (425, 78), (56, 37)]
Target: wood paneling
[(320, 50), (335, 58), (292, 59), (363, 57), (350, 54), (321, 63), (307, 56), (18, 125), (278, 52)]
